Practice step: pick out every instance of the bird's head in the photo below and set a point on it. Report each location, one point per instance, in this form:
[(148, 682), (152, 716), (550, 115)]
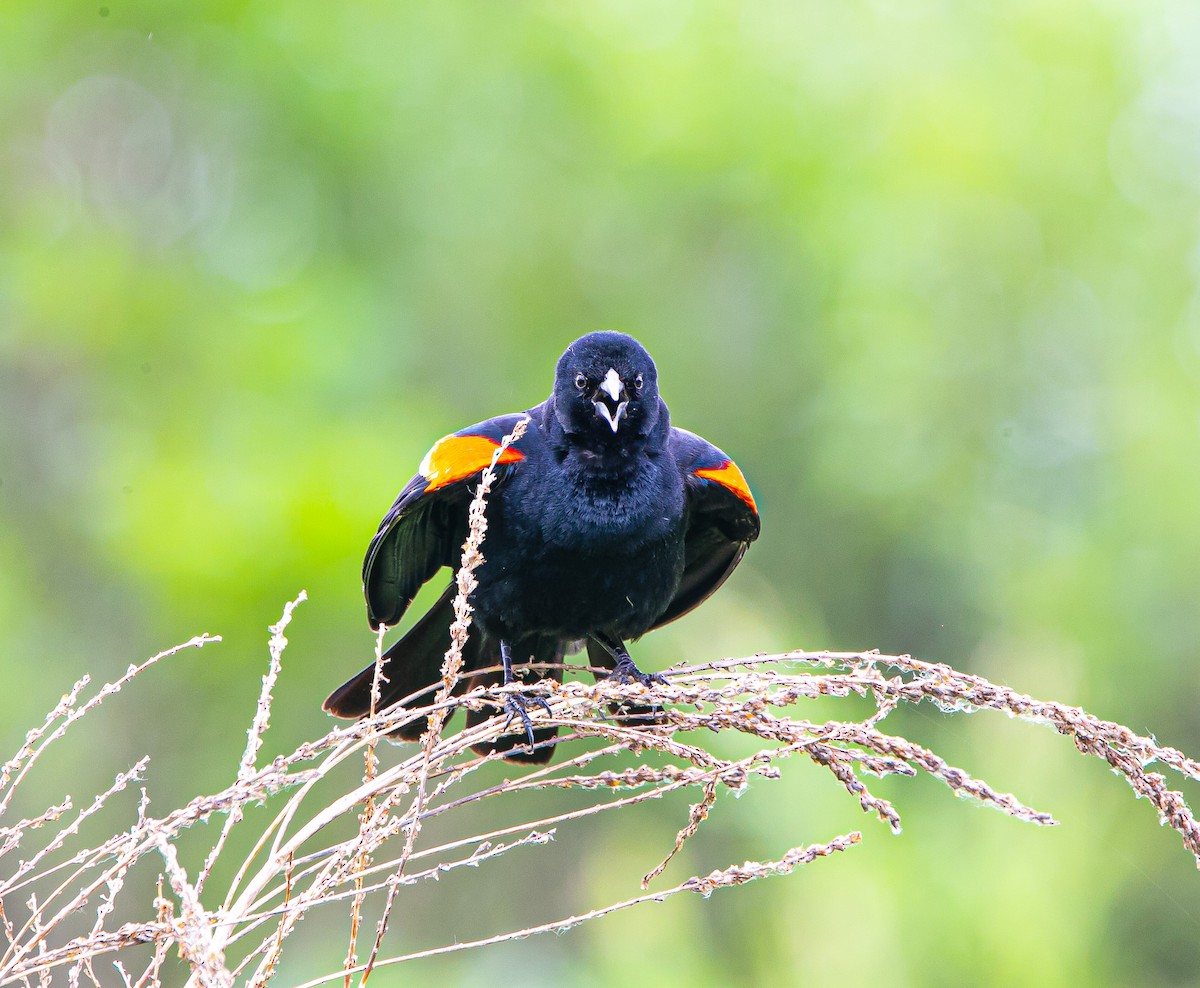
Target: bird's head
[(605, 386)]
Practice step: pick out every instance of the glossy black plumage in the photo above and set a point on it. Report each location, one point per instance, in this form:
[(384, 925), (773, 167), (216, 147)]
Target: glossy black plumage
[(604, 523)]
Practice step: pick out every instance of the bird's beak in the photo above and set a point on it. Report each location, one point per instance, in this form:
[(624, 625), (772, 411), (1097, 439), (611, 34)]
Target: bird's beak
[(611, 399)]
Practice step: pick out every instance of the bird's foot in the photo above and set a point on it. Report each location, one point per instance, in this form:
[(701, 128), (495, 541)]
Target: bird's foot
[(626, 672), (517, 705)]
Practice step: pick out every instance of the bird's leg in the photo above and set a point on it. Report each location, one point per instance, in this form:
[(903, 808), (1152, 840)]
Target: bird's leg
[(625, 671), (516, 704)]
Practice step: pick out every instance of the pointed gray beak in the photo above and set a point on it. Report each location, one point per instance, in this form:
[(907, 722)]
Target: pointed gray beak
[(612, 408)]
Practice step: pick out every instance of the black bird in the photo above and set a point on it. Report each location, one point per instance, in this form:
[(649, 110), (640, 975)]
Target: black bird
[(604, 523)]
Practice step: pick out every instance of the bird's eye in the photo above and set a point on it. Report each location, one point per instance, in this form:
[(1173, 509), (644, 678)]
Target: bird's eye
[(581, 381), (637, 382)]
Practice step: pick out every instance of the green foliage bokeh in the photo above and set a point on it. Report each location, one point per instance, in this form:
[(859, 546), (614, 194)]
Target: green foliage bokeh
[(928, 271)]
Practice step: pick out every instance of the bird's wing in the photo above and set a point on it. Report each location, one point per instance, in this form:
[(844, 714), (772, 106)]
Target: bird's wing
[(427, 524), (722, 520)]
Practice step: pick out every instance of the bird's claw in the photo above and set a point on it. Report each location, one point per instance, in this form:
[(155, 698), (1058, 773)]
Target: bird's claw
[(517, 705), (626, 672)]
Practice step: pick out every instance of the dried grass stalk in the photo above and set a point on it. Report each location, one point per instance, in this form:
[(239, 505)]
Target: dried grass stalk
[(297, 865)]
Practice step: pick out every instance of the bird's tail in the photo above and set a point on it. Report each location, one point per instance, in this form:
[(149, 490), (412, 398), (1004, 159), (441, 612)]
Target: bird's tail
[(411, 667)]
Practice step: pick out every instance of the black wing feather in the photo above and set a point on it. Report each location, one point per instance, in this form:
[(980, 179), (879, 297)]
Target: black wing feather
[(422, 533), (720, 525), (426, 526)]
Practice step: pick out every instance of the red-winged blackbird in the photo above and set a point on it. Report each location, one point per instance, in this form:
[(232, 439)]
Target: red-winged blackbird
[(604, 523)]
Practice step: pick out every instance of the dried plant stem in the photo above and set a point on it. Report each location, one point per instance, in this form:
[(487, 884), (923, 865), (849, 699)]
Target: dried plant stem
[(734, 875), (291, 872), (452, 663), (38, 740), (370, 768), (302, 861), (262, 720)]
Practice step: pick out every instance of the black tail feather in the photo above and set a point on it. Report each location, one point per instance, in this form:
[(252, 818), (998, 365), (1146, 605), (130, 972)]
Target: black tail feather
[(412, 664)]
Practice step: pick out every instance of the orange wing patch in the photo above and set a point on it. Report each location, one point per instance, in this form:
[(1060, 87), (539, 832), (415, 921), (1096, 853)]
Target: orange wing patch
[(730, 477), (455, 457)]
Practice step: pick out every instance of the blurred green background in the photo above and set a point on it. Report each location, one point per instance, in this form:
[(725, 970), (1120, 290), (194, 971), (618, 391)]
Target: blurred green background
[(928, 271)]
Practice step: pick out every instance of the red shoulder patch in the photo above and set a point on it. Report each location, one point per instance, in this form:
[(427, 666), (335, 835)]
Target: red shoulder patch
[(454, 457), (730, 477)]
